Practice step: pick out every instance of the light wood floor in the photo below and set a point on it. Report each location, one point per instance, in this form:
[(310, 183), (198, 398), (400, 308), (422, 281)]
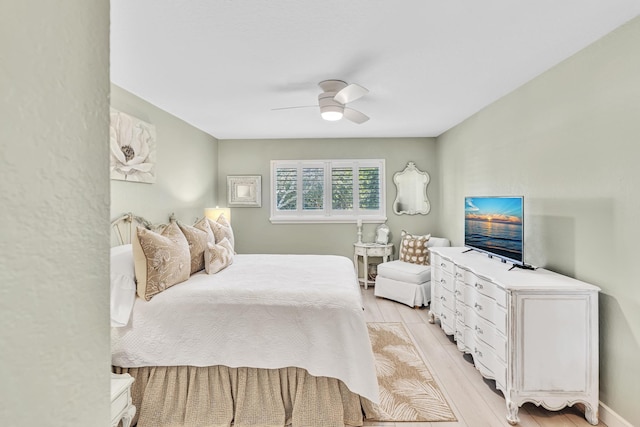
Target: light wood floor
[(474, 400)]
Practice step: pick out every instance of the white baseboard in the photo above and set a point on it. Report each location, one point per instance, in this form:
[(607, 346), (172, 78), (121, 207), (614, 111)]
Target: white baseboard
[(610, 418)]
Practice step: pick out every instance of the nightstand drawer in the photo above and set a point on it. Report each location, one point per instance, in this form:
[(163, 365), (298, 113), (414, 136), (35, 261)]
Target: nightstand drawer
[(119, 405)]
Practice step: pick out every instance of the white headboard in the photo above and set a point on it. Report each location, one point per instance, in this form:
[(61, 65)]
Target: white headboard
[(123, 227)]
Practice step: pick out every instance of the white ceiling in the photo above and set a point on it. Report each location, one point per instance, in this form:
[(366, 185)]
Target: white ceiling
[(223, 65)]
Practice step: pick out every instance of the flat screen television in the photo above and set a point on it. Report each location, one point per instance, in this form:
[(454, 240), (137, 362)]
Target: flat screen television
[(494, 225)]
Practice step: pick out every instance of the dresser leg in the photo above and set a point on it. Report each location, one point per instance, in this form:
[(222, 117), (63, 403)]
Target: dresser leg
[(591, 413), (512, 413), (431, 318)]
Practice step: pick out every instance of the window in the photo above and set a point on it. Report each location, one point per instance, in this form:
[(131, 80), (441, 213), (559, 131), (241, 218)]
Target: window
[(327, 190)]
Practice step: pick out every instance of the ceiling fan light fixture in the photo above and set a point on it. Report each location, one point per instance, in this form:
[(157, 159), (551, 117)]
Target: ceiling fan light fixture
[(330, 109), (331, 113)]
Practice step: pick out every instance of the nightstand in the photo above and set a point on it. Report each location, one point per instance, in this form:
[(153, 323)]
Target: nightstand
[(366, 250), (121, 405)]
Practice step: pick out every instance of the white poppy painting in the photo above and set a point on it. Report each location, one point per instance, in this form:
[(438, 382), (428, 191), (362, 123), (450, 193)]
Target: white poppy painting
[(133, 148)]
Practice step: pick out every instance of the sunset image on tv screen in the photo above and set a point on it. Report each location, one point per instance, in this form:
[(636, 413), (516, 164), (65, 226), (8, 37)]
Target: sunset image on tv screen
[(494, 225)]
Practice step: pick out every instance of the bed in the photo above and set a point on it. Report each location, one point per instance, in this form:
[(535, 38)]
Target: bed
[(270, 340)]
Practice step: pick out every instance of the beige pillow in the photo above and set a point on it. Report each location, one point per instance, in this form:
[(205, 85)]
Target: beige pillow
[(203, 224), (197, 240), (218, 256), (221, 229), (413, 249), (160, 260)]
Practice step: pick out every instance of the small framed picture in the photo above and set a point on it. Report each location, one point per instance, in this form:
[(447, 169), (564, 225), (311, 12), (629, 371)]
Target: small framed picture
[(382, 234), (244, 191)]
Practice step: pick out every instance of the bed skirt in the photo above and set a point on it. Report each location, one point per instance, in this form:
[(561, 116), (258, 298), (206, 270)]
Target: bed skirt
[(218, 396)]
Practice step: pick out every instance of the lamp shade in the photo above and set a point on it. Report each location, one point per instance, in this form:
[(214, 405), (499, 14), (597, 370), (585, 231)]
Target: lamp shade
[(214, 213)]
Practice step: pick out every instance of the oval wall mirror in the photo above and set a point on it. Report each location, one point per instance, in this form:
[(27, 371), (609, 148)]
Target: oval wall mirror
[(411, 186)]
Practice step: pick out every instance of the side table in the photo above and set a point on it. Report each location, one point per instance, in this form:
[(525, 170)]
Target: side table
[(366, 250), (121, 405)]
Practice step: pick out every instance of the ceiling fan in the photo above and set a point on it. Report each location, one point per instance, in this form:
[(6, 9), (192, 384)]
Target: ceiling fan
[(333, 99)]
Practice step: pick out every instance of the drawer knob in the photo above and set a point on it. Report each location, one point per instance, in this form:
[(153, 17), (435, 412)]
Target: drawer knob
[(443, 298), (458, 274), (478, 352), (458, 292), (443, 265), (443, 281), (444, 316), (479, 285), (479, 330), (478, 306), (458, 313)]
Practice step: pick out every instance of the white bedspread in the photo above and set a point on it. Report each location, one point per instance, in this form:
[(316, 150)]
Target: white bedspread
[(263, 311)]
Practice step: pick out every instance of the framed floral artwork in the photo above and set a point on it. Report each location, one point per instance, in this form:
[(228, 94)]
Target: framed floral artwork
[(133, 148)]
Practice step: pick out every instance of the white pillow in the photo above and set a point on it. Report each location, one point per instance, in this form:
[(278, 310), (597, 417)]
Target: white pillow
[(123, 284), (218, 256)]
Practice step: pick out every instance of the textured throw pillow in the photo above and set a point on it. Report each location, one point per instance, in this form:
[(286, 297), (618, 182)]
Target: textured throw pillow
[(161, 260), (197, 240), (413, 249), (218, 256), (221, 229), (203, 224)]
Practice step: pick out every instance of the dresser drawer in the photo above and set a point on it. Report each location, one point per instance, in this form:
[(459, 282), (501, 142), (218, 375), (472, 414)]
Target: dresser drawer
[(119, 404), (447, 320), (500, 320), (463, 338), (446, 281), (485, 331), (483, 358), (484, 307), (500, 347), (444, 264), (447, 300)]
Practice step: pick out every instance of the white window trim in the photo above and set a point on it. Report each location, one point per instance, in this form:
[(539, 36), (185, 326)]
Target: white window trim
[(298, 217)]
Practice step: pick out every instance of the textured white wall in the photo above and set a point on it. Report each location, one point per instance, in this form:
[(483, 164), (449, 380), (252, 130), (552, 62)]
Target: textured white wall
[(54, 216), (186, 167), (569, 142)]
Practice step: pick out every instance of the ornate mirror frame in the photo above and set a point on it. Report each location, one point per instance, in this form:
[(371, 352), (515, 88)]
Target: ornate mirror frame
[(411, 196)]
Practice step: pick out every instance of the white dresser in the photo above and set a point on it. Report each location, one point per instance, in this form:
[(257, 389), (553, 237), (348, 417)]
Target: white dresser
[(534, 332)]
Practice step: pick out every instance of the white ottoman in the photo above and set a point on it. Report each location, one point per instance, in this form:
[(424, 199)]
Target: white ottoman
[(404, 282)]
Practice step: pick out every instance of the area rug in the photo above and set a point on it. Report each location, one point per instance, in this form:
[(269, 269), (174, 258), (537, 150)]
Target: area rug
[(408, 391)]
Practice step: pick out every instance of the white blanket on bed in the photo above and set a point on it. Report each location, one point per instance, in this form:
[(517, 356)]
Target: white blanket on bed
[(263, 311)]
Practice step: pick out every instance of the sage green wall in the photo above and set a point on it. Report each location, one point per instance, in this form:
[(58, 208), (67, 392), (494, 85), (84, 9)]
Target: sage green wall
[(185, 169), (255, 234), (54, 220), (569, 141)]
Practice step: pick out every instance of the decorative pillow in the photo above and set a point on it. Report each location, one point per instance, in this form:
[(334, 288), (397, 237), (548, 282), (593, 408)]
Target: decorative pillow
[(221, 229), (413, 249), (218, 256), (203, 224), (123, 284), (161, 260), (197, 240)]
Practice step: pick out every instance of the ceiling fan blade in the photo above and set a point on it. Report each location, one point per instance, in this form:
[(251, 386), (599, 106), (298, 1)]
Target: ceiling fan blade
[(291, 108), (350, 93), (355, 116)]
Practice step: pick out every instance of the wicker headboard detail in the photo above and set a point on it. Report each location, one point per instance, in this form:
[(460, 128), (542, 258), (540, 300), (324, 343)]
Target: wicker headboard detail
[(123, 227)]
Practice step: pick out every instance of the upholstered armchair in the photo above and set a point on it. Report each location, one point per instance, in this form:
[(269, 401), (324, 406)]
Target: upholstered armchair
[(406, 282)]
